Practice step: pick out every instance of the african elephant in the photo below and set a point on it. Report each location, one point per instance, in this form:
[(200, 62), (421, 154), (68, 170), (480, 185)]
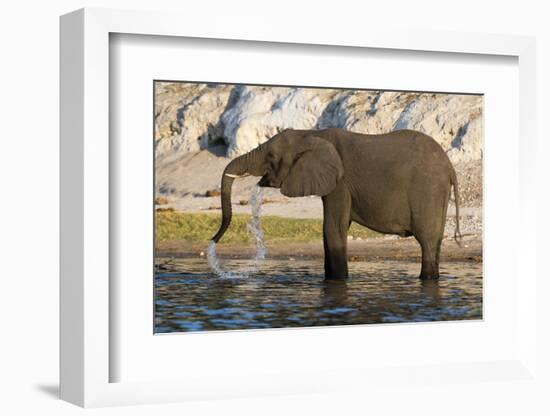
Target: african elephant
[(395, 183)]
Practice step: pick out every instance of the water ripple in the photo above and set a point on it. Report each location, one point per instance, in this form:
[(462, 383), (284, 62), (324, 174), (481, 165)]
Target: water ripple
[(191, 299)]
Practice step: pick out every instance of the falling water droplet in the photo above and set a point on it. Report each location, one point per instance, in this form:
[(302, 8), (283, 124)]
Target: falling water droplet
[(254, 227)]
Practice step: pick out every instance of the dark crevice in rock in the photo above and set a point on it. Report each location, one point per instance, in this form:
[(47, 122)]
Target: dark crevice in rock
[(456, 143)]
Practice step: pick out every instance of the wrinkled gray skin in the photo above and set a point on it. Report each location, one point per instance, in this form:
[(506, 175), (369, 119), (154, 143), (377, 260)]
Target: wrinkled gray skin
[(395, 183)]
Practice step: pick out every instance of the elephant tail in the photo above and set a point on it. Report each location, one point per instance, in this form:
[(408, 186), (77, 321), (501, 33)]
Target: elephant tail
[(458, 234)]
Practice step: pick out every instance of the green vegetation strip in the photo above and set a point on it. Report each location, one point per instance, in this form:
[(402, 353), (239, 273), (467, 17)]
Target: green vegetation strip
[(196, 228)]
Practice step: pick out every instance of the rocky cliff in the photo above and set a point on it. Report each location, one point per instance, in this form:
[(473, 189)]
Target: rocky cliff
[(191, 117)]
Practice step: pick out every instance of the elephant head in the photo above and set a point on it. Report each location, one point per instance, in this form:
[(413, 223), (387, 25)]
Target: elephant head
[(297, 162)]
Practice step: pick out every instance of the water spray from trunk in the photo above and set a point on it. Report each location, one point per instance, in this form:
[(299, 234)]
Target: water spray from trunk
[(254, 226)]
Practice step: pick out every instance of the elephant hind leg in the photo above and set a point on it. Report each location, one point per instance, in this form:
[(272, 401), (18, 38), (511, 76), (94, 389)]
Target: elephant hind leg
[(428, 225), (430, 257), (429, 233), (430, 236)]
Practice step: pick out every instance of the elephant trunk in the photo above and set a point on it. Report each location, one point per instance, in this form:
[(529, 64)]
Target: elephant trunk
[(247, 164), (227, 182)]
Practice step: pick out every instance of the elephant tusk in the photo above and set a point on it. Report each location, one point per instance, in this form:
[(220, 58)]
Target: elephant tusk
[(237, 176)]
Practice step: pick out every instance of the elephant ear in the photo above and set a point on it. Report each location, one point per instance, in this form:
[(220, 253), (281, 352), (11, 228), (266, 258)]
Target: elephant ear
[(316, 169)]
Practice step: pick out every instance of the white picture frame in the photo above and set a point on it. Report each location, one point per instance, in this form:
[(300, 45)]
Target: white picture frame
[(85, 164)]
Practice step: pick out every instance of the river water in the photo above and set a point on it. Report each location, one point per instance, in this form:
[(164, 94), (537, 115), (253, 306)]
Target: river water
[(283, 293)]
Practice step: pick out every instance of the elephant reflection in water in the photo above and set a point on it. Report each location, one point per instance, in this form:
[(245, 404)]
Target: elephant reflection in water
[(430, 288), (334, 293)]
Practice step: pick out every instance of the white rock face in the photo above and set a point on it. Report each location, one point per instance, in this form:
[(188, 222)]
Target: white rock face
[(190, 117), (193, 119), (261, 111)]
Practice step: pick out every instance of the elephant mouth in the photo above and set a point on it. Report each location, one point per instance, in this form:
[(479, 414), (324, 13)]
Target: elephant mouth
[(265, 182)]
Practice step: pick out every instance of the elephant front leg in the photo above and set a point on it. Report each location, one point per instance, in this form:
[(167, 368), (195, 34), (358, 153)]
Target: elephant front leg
[(337, 211)]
